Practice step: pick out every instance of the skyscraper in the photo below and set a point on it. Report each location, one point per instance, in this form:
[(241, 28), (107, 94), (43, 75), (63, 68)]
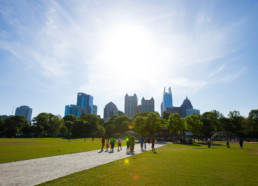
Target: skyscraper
[(186, 105), (74, 110), (95, 109), (85, 101), (167, 100), (110, 110), (147, 105), (130, 105), (24, 111)]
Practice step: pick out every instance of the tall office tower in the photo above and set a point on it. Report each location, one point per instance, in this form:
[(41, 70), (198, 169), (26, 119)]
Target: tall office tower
[(85, 101), (95, 109), (147, 105), (74, 110), (110, 110), (24, 111), (186, 105), (130, 105), (167, 100)]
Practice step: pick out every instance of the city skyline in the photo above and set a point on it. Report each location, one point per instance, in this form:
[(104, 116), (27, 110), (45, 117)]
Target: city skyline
[(206, 50)]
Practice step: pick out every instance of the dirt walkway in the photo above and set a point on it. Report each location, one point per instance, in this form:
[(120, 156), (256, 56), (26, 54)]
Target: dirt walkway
[(35, 171)]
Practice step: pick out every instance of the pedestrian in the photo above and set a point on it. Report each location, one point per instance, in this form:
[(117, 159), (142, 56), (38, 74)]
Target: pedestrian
[(212, 143), (227, 141), (241, 143), (145, 144), (119, 144), (141, 142), (107, 145), (209, 143), (127, 144), (103, 142), (112, 143), (153, 144), (132, 141)]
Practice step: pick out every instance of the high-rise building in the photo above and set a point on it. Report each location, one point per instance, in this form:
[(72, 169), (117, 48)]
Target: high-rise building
[(74, 110), (130, 105), (85, 101), (110, 110), (186, 105), (192, 111), (147, 105), (167, 100), (95, 109), (24, 111)]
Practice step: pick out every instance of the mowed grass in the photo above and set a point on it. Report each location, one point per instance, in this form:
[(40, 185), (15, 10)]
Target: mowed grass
[(175, 164), (15, 149)]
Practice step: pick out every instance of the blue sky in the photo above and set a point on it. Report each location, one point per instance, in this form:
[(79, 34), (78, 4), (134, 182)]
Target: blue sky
[(206, 50)]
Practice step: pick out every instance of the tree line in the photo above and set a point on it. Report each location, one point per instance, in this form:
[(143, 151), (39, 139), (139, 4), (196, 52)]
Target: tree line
[(87, 125)]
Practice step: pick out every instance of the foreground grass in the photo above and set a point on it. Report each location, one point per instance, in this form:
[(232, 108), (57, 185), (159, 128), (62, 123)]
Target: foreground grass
[(14, 149), (175, 165)]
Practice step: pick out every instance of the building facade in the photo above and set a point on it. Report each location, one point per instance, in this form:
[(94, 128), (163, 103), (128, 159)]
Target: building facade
[(147, 105), (110, 110), (192, 111), (24, 111), (95, 109), (85, 101), (167, 101), (130, 105), (74, 110)]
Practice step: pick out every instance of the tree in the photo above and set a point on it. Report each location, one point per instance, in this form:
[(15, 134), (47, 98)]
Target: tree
[(153, 123), (253, 123), (165, 115), (122, 124), (110, 130), (207, 128), (176, 123), (47, 124), (101, 130), (213, 117), (69, 126), (70, 118), (81, 128), (1, 126), (63, 130), (140, 124), (93, 120), (194, 124), (236, 120), (14, 124)]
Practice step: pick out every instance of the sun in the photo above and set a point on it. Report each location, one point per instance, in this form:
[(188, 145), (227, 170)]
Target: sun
[(128, 51)]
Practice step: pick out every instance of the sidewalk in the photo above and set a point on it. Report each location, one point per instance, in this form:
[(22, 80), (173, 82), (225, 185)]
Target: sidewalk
[(36, 171)]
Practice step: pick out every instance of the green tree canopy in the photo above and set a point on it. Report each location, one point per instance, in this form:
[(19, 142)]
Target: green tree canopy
[(14, 124), (194, 124), (176, 123), (140, 125)]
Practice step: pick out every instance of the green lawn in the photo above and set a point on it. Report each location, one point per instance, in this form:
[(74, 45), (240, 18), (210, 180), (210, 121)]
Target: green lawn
[(175, 165), (14, 149)]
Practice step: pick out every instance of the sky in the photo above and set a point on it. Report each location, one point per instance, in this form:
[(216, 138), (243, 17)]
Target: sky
[(205, 50)]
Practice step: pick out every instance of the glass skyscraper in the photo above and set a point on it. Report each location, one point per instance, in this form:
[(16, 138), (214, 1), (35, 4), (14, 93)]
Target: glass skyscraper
[(95, 109), (24, 111), (167, 100), (85, 101), (74, 110)]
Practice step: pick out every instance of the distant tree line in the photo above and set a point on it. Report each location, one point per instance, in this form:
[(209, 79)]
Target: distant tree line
[(87, 125)]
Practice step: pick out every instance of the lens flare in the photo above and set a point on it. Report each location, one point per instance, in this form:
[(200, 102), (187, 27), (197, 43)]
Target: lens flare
[(126, 161), (130, 127), (136, 176)]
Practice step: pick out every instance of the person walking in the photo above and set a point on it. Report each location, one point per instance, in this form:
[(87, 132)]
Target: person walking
[(127, 144), (107, 145), (141, 142), (153, 144), (119, 144), (103, 142), (132, 141), (209, 143), (112, 143), (227, 141), (241, 143)]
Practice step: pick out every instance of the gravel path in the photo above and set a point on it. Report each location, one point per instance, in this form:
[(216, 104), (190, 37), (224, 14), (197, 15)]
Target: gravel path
[(35, 171)]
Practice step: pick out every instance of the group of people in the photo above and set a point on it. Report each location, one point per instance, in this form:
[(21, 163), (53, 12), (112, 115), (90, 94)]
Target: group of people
[(210, 143), (130, 143), (110, 143)]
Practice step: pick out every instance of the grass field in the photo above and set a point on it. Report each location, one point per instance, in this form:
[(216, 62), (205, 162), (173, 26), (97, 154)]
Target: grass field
[(14, 149), (175, 165)]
